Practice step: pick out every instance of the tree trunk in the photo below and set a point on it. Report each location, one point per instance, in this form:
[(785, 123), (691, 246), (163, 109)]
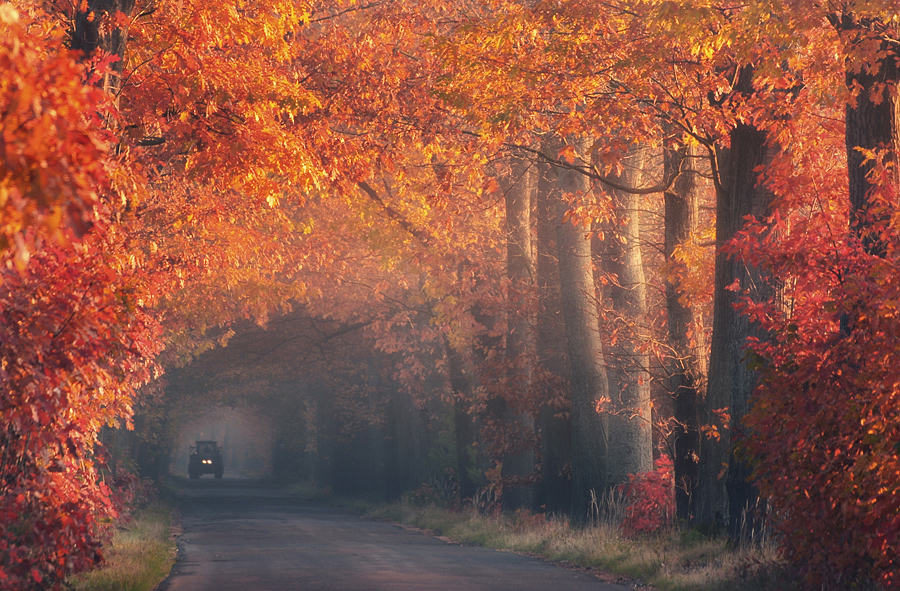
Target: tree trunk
[(685, 366), (555, 488), (462, 381), (518, 467), (630, 434), (872, 123), (726, 493), (590, 434), (91, 33)]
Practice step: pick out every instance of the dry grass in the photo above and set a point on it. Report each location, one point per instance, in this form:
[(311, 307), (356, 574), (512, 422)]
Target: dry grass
[(140, 556), (670, 561), (674, 560)]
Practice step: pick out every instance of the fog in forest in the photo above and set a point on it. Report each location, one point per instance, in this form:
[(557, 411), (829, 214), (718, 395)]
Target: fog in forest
[(244, 436), (307, 399)]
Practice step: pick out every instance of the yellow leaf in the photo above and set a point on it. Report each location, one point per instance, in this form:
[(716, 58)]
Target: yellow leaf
[(567, 153)]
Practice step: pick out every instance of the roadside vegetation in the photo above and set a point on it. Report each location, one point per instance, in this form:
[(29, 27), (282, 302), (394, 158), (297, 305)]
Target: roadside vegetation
[(549, 236), (140, 555), (672, 558)]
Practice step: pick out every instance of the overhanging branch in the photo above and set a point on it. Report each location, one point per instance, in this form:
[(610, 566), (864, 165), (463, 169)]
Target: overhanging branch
[(591, 172), (392, 213)]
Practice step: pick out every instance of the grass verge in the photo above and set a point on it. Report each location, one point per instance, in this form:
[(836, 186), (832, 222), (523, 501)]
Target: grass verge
[(674, 560), (669, 561), (139, 557)]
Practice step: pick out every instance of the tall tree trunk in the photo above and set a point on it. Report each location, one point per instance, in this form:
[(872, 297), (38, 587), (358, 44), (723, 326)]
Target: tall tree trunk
[(872, 119), (92, 31), (726, 492), (462, 382), (554, 425), (630, 434), (518, 467), (682, 209), (590, 433)]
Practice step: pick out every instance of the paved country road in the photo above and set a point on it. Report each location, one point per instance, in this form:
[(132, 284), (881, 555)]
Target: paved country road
[(242, 536)]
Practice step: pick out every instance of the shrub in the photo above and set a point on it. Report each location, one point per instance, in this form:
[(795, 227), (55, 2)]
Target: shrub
[(650, 499)]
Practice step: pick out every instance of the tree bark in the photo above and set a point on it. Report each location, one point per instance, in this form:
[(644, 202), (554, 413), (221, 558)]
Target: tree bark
[(554, 491), (590, 433), (872, 122), (518, 467), (89, 34), (630, 434), (685, 364), (726, 493)]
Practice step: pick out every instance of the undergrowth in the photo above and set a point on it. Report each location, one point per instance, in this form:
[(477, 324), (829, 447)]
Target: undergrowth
[(673, 559), (139, 557)]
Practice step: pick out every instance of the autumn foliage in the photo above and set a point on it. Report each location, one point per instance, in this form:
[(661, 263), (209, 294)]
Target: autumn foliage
[(829, 392), (207, 164), (74, 345), (55, 150), (650, 499)]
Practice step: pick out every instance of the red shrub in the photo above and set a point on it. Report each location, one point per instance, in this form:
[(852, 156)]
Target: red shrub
[(650, 499)]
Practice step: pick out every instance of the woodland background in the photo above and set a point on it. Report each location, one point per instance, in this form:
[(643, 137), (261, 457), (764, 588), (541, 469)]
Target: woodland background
[(517, 250)]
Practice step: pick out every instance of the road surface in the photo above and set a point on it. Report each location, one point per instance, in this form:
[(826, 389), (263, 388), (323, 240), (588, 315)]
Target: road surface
[(246, 537)]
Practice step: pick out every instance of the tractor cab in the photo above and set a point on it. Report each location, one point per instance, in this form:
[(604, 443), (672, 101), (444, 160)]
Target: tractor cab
[(206, 458)]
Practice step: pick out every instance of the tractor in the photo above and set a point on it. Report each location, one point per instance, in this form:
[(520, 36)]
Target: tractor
[(206, 458)]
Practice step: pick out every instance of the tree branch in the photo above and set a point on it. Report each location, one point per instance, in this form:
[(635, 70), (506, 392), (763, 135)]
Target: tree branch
[(392, 213), (591, 172)]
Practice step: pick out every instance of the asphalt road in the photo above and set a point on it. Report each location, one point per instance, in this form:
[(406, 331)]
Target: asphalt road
[(243, 536)]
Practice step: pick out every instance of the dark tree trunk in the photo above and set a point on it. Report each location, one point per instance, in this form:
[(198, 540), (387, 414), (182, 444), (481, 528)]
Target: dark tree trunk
[(726, 492), (518, 467), (590, 433), (462, 381), (91, 32), (555, 488), (630, 434), (872, 121), (682, 208)]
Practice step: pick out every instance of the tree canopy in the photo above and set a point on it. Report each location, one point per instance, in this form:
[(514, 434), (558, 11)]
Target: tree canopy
[(567, 236)]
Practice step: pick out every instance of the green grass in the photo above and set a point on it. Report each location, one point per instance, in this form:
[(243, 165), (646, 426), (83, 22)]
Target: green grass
[(139, 557)]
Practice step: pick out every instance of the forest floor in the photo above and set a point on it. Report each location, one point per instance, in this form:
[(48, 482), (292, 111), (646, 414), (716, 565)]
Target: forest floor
[(673, 560)]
